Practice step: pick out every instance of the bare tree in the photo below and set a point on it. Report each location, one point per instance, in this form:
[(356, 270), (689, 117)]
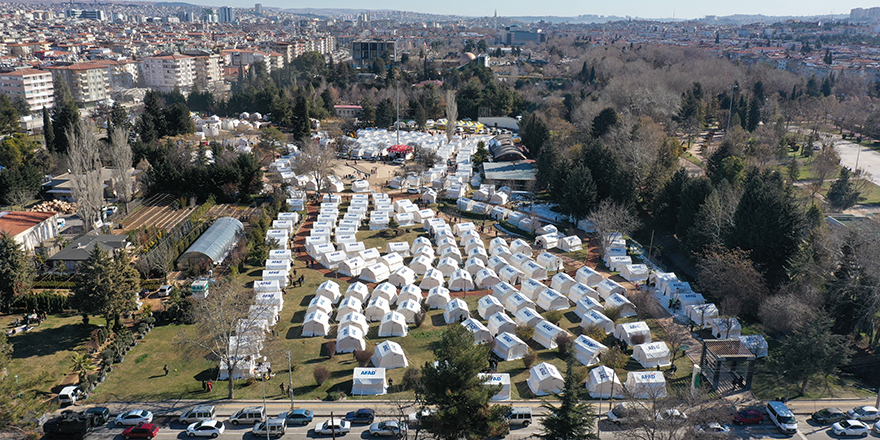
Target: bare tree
[(315, 161), (121, 156), (85, 172), (660, 417), (226, 328), (451, 114), (609, 217), (825, 164), (731, 278)]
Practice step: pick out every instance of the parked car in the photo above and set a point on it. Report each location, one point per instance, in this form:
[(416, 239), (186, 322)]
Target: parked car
[(363, 416), (165, 290), (414, 190), (197, 414), (399, 161), (134, 417), (141, 430), (748, 417), (99, 414), (248, 415), (828, 416), (69, 395), (206, 428), (297, 417), (331, 426), (877, 428), (390, 428), (271, 428), (851, 428), (864, 414), (415, 419), (626, 412), (713, 428), (520, 416)]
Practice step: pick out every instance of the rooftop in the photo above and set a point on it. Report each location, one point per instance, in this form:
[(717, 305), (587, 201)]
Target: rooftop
[(80, 249), (515, 170), (16, 222)]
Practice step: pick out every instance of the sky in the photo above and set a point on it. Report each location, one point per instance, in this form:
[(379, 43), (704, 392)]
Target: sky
[(635, 8)]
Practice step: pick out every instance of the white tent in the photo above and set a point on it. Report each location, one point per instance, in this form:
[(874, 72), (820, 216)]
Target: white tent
[(660, 279), (455, 310), (349, 339), (486, 278), (421, 264), (270, 299), (498, 379), (646, 384), (422, 215), (528, 316), (652, 354), (460, 280), (585, 304), (399, 247), (393, 324), (370, 256), (385, 290), (672, 287), (479, 253), (480, 332), (348, 305), (587, 350), (376, 309), (280, 254), (375, 274), (532, 288), (352, 267), (393, 260), (546, 229), (509, 347), (689, 298), (592, 317), (451, 252), (550, 300), (520, 245), (588, 276), (402, 277), (461, 228), (358, 290), (243, 369), (502, 252), (369, 382), (360, 186), (618, 263), (726, 328), (409, 309), (488, 306), (472, 242), (316, 323), (389, 355), (549, 261), (607, 287), (276, 275), (405, 219), (517, 301), (571, 243), (518, 259), (320, 303), (474, 265), (446, 241), (429, 196), (627, 308), (602, 382), (635, 273), (419, 242), (411, 292), (626, 332), (702, 314), (330, 290), (432, 278), (269, 286), (546, 333), (426, 250), (438, 297), (502, 290), (447, 266), (510, 274), (578, 291), (355, 319), (495, 242), (547, 241), (562, 282), (499, 212), (545, 379), (268, 314), (499, 322)]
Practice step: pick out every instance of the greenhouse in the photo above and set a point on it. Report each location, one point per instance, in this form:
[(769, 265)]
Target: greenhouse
[(213, 245)]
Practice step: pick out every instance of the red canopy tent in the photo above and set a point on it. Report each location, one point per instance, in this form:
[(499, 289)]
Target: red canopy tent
[(396, 149)]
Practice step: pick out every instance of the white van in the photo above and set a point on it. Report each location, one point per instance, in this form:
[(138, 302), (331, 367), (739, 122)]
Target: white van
[(272, 427), (68, 395), (520, 416), (197, 414), (782, 417)]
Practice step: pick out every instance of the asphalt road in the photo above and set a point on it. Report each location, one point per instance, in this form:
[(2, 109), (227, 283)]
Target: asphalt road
[(868, 160)]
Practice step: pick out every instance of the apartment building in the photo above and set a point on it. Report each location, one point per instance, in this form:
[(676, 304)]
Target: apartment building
[(89, 82), (169, 72), (364, 51), (34, 86), (123, 74), (208, 73)]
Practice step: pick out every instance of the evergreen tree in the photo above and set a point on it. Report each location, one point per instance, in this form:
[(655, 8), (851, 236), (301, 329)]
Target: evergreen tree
[(603, 122), (178, 121), (65, 116), (301, 124), (572, 419), (106, 286), (453, 386), (843, 194), (548, 166), (368, 112), (754, 114), (385, 113), (668, 202), (693, 194), (534, 133), (9, 115), (828, 59), (118, 117), (329, 102), (48, 131), (16, 271), (810, 352), (612, 180), (579, 193)]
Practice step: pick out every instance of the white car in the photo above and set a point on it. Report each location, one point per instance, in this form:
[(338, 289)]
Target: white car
[(864, 414), (713, 428), (853, 428), (133, 417), (390, 428), (331, 426), (206, 428), (877, 428)]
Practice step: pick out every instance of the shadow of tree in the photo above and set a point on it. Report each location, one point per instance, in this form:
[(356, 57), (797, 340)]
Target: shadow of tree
[(44, 342)]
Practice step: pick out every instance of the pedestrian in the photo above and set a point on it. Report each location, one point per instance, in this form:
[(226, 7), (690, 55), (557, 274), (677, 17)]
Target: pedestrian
[(204, 386), (282, 387), (210, 385), (294, 272), (165, 368)]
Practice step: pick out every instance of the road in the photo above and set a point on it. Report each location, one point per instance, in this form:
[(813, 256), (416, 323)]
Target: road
[(868, 159)]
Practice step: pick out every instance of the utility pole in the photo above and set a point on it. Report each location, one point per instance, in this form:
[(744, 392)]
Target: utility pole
[(397, 124), (290, 379)]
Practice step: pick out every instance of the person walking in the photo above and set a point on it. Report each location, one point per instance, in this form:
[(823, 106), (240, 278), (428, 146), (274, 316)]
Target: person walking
[(165, 369), (282, 388), (210, 385)]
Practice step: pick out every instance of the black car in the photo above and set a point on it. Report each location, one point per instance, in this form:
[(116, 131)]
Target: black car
[(829, 416), (99, 414), (362, 416)]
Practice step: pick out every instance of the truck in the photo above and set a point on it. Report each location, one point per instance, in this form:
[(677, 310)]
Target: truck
[(69, 424)]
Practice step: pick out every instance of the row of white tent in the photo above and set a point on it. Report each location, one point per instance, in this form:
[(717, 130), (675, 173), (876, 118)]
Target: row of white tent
[(545, 379)]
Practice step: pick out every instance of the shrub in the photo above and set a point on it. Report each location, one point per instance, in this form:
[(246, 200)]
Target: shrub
[(321, 374), (554, 316), (420, 318), (412, 378), (108, 356), (638, 339), (614, 358), (613, 313), (524, 332), (594, 331), (140, 358), (530, 358), (563, 343), (363, 357), (328, 349), (333, 396), (250, 381)]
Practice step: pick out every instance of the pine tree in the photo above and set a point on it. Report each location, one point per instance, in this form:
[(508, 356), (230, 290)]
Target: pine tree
[(842, 194), (572, 419), (301, 125), (579, 192), (48, 131), (106, 286), (16, 271), (65, 115), (534, 133)]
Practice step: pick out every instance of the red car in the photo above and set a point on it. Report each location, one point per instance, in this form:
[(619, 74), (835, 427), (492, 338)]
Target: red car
[(748, 417), (141, 430)]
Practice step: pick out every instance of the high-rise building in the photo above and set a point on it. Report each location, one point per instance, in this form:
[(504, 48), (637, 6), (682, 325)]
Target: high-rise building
[(169, 72), (227, 14), (34, 86), (258, 8), (89, 82), (364, 51)]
